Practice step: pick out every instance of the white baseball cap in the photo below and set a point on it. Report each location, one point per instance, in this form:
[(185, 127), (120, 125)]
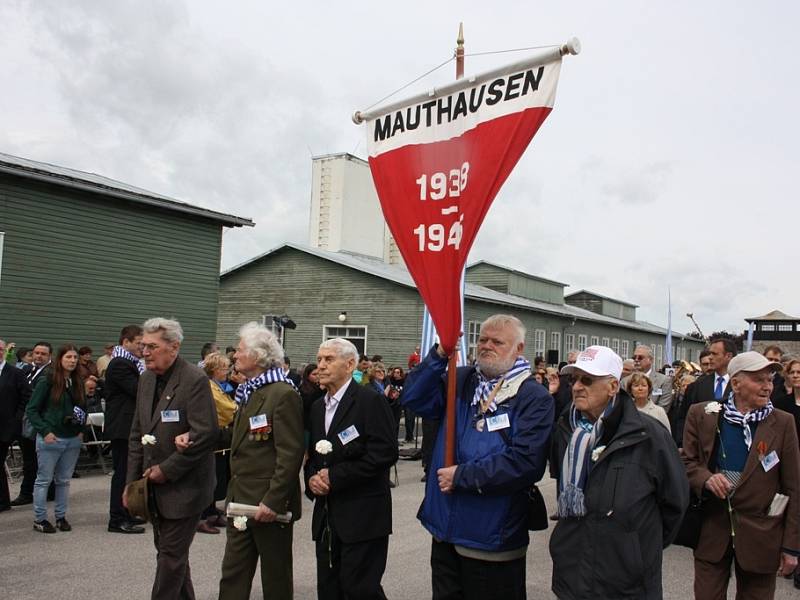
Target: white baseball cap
[(750, 362), (601, 361)]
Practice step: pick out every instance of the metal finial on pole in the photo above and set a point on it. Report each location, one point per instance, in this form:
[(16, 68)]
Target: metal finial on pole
[(460, 52)]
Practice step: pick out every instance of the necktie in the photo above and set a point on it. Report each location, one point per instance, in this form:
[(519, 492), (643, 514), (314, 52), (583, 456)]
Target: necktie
[(718, 389)]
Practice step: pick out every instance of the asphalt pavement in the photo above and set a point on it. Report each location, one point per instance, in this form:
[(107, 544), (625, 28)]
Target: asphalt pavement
[(89, 562)]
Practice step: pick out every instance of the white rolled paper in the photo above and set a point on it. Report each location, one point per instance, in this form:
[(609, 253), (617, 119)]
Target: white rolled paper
[(235, 509)]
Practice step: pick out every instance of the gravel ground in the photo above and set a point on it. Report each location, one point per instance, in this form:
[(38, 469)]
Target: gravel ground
[(90, 562)]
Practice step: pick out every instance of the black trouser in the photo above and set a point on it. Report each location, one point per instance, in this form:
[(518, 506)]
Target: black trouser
[(456, 577), (430, 429), (5, 495), (30, 465), (356, 569), (409, 417), (119, 456)]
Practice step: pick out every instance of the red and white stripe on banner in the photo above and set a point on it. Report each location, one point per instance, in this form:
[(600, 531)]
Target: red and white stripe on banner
[(439, 161)]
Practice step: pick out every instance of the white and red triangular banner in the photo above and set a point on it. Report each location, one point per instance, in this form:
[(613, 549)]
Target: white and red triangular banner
[(438, 165)]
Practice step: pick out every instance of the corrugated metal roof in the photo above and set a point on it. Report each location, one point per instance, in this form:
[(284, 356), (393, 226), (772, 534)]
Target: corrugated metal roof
[(375, 266), (516, 272), (75, 179), (596, 295)]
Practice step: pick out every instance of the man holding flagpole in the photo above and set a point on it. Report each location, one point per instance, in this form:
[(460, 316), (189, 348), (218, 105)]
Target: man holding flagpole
[(477, 509)]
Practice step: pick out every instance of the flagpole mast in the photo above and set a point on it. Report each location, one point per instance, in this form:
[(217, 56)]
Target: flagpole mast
[(452, 365)]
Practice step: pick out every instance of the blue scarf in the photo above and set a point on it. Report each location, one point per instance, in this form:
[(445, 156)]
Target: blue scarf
[(246, 389), (120, 352), (485, 386), (734, 417), (577, 460)]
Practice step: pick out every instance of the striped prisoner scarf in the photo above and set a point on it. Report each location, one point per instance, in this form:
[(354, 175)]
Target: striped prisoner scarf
[(485, 386), (120, 352), (577, 461), (734, 417), (246, 389)]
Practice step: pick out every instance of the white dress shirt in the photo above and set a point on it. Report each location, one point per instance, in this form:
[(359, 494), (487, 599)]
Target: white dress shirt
[(332, 403)]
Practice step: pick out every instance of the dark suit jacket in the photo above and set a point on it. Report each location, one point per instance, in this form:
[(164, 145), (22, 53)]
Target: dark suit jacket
[(759, 538), (122, 380), (359, 504), (786, 403), (14, 396), (190, 475), (268, 470), (702, 390)]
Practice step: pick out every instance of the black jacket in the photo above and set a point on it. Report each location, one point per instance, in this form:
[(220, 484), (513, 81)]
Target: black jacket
[(14, 396), (785, 402), (359, 505), (636, 494), (122, 380)]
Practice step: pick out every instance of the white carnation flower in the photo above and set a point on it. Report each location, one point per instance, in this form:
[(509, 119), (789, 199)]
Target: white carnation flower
[(713, 407), (597, 452), (148, 439), (240, 523), (323, 447)]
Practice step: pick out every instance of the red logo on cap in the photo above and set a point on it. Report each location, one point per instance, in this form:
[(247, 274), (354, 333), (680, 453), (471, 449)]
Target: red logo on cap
[(588, 354)]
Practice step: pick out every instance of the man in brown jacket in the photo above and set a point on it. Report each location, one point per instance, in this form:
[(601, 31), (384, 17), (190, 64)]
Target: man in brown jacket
[(742, 456), (173, 398)]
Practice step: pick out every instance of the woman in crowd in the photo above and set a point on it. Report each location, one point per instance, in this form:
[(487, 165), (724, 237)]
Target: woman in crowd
[(216, 366), (310, 392), (540, 375), (639, 388), (679, 408), (56, 411), (376, 377), (789, 401)]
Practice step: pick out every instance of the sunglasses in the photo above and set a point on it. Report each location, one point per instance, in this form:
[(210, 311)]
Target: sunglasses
[(639, 357), (585, 380)]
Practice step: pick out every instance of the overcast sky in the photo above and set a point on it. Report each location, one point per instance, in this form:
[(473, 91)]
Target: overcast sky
[(670, 158)]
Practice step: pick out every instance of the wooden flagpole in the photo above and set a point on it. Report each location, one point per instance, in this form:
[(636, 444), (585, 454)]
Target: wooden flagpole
[(452, 364)]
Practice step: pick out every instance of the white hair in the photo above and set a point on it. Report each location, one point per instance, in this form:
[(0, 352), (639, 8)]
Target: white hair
[(262, 345), (170, 329), (502, 321), (648, 349), (343, 348)]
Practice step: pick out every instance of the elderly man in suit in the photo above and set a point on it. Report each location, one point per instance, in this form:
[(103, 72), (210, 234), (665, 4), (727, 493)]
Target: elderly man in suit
[(267, 448), (742, 455), (14, 396), (173, 397), (353, 445), (662, 385)]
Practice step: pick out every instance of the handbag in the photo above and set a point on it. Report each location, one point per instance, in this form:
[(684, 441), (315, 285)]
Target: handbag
[(689, 531), (537, 510)]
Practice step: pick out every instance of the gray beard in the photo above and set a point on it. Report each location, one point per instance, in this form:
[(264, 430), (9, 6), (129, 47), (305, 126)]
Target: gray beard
[(492, 369)]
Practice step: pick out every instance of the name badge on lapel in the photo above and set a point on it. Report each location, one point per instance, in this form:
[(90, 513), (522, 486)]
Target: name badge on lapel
[(498, 422), (658, 392), (348, 435), (770, 460), (259, 428), (170, 416)]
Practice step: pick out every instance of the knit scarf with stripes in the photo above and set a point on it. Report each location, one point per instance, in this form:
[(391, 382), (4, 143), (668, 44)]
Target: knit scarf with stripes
[(485, 386), (734, 417), (577, 460), (246, 389), (120, 352)]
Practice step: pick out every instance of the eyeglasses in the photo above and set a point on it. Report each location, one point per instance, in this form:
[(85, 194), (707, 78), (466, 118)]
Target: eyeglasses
[(639, 357), (150, 347), (585, 380)]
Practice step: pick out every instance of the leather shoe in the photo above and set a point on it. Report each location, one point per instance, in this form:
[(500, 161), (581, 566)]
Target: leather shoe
[(218, 521), (22, 500), (124, 528), (136, 521), (204, 527), (5, 507)]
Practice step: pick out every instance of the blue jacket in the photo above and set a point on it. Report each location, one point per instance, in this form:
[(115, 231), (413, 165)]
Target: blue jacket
[(489, 504)]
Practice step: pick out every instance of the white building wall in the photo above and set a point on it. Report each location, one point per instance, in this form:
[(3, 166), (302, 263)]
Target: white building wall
[(345, 210)]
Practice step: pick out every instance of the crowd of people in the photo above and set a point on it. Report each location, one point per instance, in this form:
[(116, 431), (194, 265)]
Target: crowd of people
[(703, 454)]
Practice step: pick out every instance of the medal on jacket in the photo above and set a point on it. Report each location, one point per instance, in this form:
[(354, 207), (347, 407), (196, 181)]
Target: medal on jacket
[(260, 428), (484, 405)]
